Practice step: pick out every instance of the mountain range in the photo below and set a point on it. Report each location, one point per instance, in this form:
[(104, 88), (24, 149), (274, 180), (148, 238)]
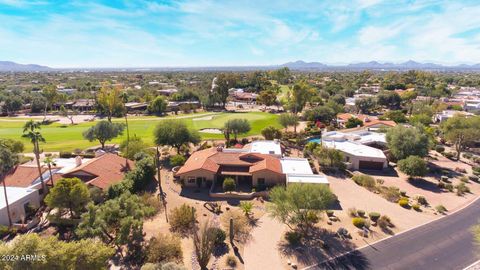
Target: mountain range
[(8, 66)]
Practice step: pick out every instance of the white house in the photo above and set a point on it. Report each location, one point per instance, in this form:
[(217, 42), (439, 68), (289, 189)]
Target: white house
[(446, 114), (298, 170), (355, 147), (19, 201)]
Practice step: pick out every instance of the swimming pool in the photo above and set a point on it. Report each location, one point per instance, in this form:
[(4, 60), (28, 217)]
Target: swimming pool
[(315, 140)]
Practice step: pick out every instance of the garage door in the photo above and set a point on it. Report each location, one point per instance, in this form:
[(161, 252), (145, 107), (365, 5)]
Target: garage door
[(370, 165)]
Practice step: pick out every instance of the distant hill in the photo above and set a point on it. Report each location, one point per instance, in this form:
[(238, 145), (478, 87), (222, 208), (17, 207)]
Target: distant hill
[(12, 66), (374, 65)]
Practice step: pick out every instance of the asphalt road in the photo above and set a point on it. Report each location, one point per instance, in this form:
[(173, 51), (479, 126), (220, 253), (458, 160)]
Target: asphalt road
[(446, 243)]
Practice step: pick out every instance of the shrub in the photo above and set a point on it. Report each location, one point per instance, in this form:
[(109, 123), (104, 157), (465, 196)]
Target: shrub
[(177, 160), (380, 181), (444, 178), (182, 219), (384, 222), (413, 166), (441, 209), (467, 155), (441, 184), (352, 212), (241, 225), (462, 189), (403, 193), (293, 238), (65, 154), (391, 194), (218, 235), (231, 261), (464, 179), (416, 207), (449, 155), (361, 213), (439, 148), (229, 185), (421, 200), (364, 180), (4, 230), (164, 248), (330, 213), (374, 216), (358, 222), (449, 187), (403, 202)]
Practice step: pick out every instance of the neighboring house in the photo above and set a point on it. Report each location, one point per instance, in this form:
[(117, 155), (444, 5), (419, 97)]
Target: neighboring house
[(472, 107), (342, 118), (167, 92), (136, 106), (447, 114), (102, 171), (357, 149), (241, 95), (257, 164), (181, 105), (84, 104), (26, 176), (20, 201)]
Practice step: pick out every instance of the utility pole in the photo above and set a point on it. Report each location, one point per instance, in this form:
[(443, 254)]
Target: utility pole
[(160, 190)]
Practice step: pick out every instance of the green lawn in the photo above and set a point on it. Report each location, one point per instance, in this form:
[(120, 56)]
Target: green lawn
[(66, 138)]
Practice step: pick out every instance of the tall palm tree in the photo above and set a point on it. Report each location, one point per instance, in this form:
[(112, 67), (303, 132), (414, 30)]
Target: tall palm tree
[(31, 131), (8, 162), (49, 162)]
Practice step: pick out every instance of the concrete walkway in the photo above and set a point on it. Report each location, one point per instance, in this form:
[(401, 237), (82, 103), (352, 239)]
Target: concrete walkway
[(261, 252)]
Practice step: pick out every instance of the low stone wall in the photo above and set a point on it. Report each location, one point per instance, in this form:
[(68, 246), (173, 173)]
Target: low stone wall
[(236, 195)]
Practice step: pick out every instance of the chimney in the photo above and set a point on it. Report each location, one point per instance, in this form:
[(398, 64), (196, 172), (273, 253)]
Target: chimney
[(78, 161)]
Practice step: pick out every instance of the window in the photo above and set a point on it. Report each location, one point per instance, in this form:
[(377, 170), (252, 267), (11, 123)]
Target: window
[(191, 180), (261, 181)]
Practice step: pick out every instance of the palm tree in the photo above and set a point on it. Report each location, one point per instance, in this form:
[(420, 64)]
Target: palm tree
[(50, 162), (8, 162), (30, 131)]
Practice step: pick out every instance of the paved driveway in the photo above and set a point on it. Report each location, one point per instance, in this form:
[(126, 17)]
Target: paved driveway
[(261, 252)]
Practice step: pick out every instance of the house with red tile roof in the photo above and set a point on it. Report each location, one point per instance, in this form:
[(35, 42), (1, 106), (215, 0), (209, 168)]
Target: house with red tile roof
[(251, 166), (102, 171)]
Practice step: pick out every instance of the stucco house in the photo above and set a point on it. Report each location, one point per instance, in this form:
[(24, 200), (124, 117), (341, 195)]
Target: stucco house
[(357, 148), (259, 164)]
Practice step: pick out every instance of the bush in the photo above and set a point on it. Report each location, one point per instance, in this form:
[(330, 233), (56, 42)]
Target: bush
[(449, 155), (65, 154), (374, 216), (391, 194), (364, 180), (229, 185), (444, 178), (416, 207), (164, 248), (4, 230), (361, 213), (177, 160), (439, 148), (403, 193), (421, 200), (231, 261), (329, 213), (413, 166), (449, 187), (441, 209), (462, 189), (218, 235), (464, 179), (358, 222), (380, 181), (441, 184), (467, 155), (182, 219), (293, 238), (352, 212), (403, 202), (384, 222)]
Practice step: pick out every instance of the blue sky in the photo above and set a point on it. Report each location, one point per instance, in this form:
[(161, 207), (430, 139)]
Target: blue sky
[(218, 33)]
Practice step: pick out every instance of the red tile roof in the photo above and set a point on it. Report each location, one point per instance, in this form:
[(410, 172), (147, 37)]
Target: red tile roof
[(106, 170), (23, 176), (212, 160)]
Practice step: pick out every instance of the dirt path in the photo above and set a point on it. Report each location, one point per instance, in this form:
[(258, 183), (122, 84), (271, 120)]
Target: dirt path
[(261, 252)]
